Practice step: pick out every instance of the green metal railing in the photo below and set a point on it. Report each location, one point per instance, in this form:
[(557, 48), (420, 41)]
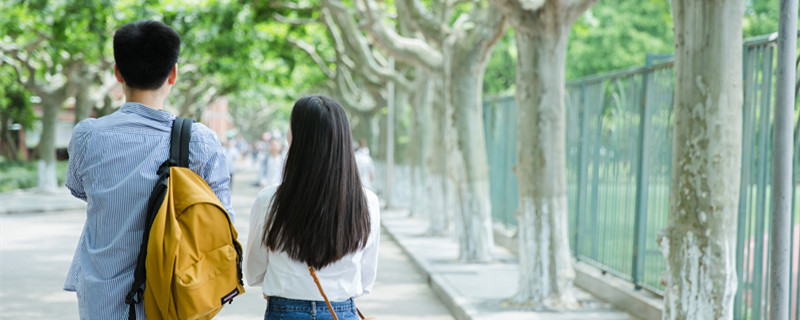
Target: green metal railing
[(619, 159), (500, 124)]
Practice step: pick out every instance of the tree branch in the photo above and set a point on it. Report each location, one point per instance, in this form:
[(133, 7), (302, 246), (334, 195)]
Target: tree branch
[(309, 49), (412, 51), (351, 39), (15, 66), (577, 7), (12, 53), (356, 100), (451, 3), (423, 19), (296, 22), (289, 5), (497, 26)]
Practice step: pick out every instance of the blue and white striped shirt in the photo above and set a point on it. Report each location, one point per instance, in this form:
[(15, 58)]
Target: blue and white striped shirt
[(112, 166)]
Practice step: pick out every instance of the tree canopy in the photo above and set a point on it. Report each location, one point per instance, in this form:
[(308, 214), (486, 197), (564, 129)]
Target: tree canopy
[(265, 54)]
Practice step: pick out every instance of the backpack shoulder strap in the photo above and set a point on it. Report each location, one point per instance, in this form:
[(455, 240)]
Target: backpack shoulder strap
[(178, 156), (179, 142)]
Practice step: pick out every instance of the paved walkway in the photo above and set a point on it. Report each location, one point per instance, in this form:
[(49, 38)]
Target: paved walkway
[(38, 234), (35, 201)]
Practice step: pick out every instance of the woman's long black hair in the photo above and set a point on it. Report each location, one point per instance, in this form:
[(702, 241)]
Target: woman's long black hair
[(319, 213)]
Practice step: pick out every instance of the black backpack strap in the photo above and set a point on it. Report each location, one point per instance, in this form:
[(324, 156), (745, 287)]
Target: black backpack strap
[(178, 156), (181, 133)]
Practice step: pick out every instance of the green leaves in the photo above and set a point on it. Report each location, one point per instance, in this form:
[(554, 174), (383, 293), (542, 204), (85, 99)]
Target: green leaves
[(15, 100), (760, 17), (616, 34)]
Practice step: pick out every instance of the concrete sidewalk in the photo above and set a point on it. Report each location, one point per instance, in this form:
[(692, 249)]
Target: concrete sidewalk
[(39, 232), (37, 201), (469, 291), (477, 291)]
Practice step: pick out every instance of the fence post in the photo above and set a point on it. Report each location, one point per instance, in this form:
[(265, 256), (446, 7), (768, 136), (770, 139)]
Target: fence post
[(642, 174), (782, 163), (640, 220), (580, 108)]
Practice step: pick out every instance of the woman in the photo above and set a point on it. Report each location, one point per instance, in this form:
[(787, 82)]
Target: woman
[(319, 216)]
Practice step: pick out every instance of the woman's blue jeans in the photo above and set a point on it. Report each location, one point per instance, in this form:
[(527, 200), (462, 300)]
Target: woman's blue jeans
[(288, 309)]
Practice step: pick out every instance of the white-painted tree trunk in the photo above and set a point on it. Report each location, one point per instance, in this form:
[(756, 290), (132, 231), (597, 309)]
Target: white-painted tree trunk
[(439, 200), (465, 65), (699, 242), (84, 104), (546, 271), (422, 144), (48, 180)]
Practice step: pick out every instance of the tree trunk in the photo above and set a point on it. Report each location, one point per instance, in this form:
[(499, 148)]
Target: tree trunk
[(83, 104), (51, 105), (401, 131), (546, 271), (699, 241), (380, 152), (439, 201), (108, 107), (421, 145), (470, 170), (363, 127), (83, 101)]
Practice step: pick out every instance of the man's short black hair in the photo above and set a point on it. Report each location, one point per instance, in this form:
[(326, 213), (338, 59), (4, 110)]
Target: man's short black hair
[(145, 52)]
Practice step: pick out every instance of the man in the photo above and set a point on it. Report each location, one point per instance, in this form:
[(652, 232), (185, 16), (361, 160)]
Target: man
[(113, 163)]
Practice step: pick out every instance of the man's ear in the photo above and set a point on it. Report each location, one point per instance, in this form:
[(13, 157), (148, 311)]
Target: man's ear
[(118, 75), (173, 75)]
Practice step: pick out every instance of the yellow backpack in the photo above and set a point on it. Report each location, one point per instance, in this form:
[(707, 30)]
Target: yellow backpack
[(190, 263)]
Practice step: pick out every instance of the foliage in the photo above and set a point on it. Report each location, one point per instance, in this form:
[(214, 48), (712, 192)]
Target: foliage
[(24, 175), (617, 34), (15, 100), (501, 71), (287, 72), (52, 33), (760, 17), (253, 115)]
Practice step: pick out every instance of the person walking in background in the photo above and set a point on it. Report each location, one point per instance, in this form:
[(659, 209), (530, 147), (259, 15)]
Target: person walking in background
[(319, 217), (366, 168), (113, 164), (273, 164), (231, 156)]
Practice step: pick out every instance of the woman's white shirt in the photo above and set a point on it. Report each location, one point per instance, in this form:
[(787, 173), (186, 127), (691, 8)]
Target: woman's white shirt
[(281, 276)]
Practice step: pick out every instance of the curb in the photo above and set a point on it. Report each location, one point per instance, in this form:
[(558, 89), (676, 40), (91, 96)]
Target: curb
[(440, 288), (483, 305), (609, 289)]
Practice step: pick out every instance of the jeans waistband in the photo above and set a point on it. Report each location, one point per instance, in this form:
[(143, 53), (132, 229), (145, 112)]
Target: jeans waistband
[(284, 304)]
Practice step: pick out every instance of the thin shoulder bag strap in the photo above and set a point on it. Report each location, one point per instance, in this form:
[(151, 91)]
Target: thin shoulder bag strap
[(322, 292)]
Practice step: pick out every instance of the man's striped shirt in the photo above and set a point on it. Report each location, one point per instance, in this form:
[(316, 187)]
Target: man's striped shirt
[(112, 166)]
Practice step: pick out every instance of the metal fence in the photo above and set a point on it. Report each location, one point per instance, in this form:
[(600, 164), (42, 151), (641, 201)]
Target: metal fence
[(619, 158)]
